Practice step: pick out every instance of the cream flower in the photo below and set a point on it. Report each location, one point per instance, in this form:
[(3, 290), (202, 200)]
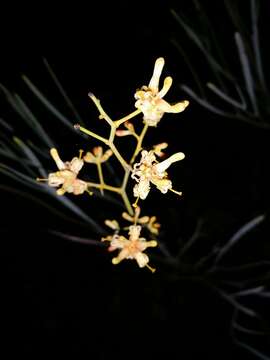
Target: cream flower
[(66, 177), (97, 155), (148, 170), (131, 248), (150, 100)]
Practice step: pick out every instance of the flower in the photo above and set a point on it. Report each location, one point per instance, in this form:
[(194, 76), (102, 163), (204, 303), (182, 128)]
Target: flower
[(97, 155), (150, 100), (66, 177), (149, 222), (148, 170), (131, 248)]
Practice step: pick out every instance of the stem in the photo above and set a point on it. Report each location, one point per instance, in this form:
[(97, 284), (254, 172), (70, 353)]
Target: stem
[(117, 123), (139, 143), (127, 202), (100, 109), (91, 133), (125, 165), (105, 187), (101, 178)]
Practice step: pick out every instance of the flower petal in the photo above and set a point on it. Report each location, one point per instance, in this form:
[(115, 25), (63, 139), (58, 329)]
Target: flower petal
[(59, 163), (142, 189), (166, 87), (179, 107), (75, 165), (163, 165), (153, 84), (142, 259)]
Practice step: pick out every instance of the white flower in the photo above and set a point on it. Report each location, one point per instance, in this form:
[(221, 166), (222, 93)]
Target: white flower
[(66, 177), (131, 248), (150, 100), (148, 170)]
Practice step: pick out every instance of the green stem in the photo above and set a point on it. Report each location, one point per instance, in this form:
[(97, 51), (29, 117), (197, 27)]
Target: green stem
[(92, 134), (139, 143), (101, 178), (127, 202), (105, 187), (125, 118)]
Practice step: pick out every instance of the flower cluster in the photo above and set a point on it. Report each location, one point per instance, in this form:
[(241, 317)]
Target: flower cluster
[(146, 172)]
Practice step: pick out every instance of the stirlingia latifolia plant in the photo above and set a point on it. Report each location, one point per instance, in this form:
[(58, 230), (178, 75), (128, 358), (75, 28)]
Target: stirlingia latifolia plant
[(142, 175)]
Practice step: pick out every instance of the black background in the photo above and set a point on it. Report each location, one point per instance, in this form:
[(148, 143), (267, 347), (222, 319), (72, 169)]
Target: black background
[(62, 298)]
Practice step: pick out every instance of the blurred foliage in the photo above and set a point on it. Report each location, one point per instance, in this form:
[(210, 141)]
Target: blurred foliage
[(233, 54)]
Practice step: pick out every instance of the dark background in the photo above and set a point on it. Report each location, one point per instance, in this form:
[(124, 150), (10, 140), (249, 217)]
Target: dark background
[(62, 297)]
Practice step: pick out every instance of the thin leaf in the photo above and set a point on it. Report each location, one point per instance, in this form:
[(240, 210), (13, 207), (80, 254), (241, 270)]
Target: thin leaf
[(253, 291), (75, 209), (29, 196), (5, 125), (204, 102), (85, 241), (33, 121), (248, 331), (193, 72), (256, 42), (48, 104), (63, 92), (246, 71), (31, 156), (225, 96), (236, 304), (252, 350), (239, 235), (29, 182), (196, 234), (196, 39)]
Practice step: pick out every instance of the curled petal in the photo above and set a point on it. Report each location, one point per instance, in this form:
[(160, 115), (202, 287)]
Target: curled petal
[(166, 87), (179, 107), (75, 165), (59, 163), (142, 189), (163, 166), (154, 82)]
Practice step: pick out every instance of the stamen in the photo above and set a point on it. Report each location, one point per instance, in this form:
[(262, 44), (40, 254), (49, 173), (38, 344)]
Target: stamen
[(176, 192), (41, 179), (80, 153), (136, 202), (153, 270)]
